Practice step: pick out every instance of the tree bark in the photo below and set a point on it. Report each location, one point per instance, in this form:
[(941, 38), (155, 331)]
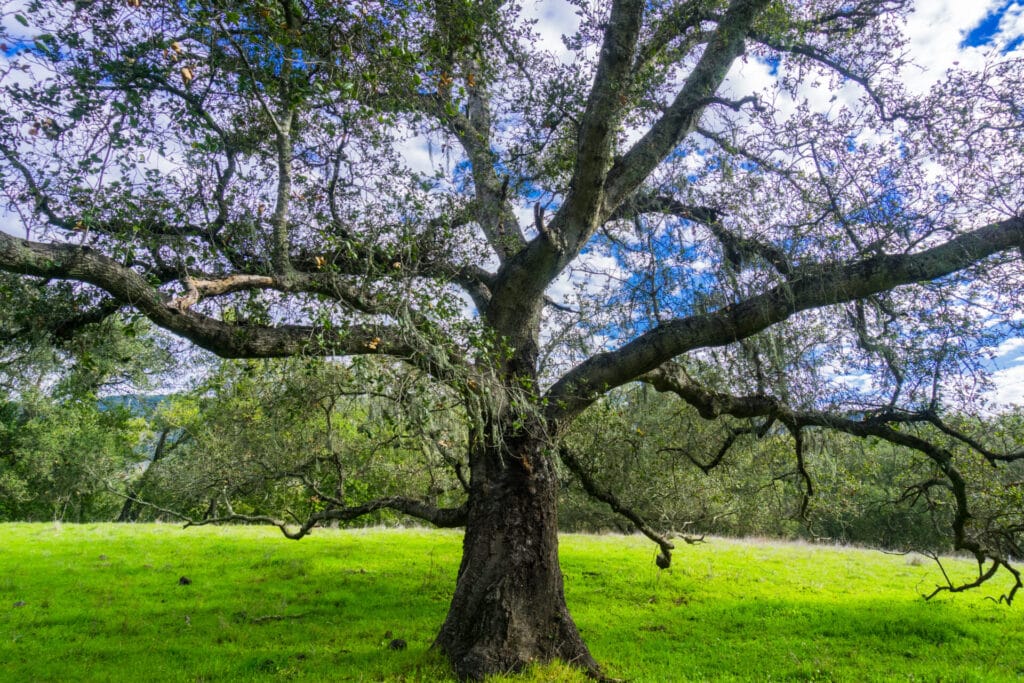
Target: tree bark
[(509, 607)]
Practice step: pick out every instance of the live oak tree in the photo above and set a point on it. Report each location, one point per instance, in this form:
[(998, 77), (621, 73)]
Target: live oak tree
[(811, 246)]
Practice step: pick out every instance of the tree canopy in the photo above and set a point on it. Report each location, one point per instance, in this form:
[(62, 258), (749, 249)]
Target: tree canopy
[(738, 202)]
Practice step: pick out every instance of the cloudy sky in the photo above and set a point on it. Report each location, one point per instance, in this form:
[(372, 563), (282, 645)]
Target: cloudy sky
[(942, 33)]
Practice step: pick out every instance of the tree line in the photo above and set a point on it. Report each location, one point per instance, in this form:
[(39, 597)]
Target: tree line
[(281, 438)]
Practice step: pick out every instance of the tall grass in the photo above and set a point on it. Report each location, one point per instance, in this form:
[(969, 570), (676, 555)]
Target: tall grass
[(109, 603)]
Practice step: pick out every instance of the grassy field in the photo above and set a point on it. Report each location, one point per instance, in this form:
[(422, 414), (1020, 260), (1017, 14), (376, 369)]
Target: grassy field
[(105, 603)]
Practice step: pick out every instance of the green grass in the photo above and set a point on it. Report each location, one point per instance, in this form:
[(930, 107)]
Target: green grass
[(103, 603)]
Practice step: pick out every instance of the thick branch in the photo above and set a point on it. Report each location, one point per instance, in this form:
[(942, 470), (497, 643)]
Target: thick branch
[(494, 213), (823, 285), (519, 290), (606, 101), (682, 116), (651, 203), (229, 340), (327, 284)]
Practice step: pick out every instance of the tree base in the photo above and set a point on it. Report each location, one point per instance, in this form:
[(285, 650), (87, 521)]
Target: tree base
[(508, 610)]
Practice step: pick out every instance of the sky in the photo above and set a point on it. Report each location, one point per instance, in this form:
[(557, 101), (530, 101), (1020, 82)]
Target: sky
[(941, 33)]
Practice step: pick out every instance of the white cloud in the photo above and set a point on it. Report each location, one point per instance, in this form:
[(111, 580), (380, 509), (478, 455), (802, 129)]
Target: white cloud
[(935, 30), (1010, 348), (555, 18), (1008, 375), (1009, 385)]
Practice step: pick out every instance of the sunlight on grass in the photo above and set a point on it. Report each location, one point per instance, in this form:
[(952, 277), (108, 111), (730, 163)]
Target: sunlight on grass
[(154, 602)]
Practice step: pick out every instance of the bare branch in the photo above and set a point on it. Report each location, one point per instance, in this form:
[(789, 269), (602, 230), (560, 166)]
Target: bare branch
[(824, 59)]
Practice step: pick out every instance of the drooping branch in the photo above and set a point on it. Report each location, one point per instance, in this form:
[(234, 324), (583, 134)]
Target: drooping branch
[(595, 491), (984, 574), (870, 345), (823, 285), (990, 455), (713, 404)]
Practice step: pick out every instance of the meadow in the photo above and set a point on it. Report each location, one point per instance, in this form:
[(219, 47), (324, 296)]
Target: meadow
[(150, 602)]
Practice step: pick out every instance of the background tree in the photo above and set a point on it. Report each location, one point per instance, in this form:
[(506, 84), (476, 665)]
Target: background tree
[(66, 434), (240, 177), (293, 438), (658, 458)]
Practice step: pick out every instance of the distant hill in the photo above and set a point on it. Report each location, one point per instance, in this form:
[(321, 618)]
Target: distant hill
[(137, 404)]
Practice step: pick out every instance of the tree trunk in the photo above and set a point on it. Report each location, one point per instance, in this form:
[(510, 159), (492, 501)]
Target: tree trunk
[(509, 608), (130, 509), (129, 513)]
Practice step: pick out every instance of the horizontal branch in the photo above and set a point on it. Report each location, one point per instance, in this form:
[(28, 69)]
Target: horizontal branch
[(642, 204), (440, 517), (229, 340), (327, 284)]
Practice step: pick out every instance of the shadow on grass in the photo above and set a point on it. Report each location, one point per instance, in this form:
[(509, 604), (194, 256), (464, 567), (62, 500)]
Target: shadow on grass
[(793, 639)]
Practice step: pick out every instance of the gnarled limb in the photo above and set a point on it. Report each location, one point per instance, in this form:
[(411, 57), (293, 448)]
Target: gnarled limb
[(712, 404)]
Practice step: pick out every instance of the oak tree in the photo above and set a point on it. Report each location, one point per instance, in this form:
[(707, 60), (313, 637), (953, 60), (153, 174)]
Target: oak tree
[(736, 201)]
